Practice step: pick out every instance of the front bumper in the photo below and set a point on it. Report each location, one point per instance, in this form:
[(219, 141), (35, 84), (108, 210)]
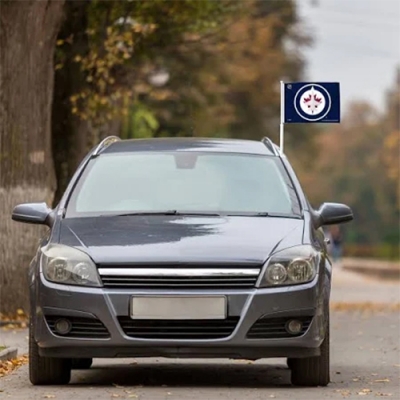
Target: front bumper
[(248, 305)]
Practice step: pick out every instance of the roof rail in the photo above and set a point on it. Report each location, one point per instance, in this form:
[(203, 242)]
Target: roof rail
[(105, 143), (270, 144)]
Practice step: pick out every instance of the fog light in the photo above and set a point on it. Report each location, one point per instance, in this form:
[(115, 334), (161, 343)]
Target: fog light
[(294, 326), (62, 326)]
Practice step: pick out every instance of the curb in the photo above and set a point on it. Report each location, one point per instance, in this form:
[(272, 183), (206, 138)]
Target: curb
[(382, 273), (8, 354), (372, 267), (5, 323)]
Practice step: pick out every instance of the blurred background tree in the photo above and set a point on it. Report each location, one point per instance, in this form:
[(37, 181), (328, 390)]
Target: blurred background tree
[(358, 164), (107, 53), (172, 68)]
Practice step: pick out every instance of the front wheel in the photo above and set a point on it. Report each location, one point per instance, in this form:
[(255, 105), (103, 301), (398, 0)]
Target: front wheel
[(312, 371), (46, 370)]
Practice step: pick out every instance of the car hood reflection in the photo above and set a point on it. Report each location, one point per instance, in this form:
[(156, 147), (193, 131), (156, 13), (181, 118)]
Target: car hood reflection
[(180, 239)]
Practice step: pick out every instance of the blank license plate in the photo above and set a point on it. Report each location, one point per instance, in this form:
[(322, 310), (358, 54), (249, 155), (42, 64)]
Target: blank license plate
[(178, 307)]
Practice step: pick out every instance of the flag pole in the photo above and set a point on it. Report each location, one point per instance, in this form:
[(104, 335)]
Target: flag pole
[(281, 126)]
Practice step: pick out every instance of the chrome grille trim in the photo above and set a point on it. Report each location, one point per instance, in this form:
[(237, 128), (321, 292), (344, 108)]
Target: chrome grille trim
[(231, 277), (179, 272)]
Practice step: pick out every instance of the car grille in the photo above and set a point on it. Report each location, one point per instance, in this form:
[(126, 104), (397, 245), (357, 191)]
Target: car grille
[(193, 277), (80, 327), (275, 328), (178, 329)]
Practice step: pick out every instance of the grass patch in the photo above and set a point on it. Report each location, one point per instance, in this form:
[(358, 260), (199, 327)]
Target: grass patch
[(2, 348)]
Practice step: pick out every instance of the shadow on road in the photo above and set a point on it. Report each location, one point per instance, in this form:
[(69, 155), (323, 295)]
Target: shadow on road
[(186, 375)]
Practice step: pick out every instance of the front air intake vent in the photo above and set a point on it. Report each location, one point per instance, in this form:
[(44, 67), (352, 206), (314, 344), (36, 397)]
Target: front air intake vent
[(178, 329)]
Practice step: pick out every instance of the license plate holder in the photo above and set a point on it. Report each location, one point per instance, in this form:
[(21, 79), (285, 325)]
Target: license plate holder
[(178, 307)]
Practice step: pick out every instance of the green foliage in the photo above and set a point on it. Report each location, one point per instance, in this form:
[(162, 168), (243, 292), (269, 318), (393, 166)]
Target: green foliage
[(225, 59), (139, 123), (125, 44)]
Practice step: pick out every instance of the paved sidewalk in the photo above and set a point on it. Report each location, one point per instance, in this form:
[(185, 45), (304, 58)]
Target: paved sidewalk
[(352, 287), (15, 338)]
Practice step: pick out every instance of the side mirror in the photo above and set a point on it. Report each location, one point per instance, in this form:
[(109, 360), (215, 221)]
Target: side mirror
[(333, 213), (33, 213)]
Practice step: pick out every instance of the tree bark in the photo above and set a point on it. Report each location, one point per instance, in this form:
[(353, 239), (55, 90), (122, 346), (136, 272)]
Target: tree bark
[(28, 31)]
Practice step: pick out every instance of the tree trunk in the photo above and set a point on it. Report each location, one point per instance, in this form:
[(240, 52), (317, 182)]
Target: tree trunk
[(28, 30), (70, 134)]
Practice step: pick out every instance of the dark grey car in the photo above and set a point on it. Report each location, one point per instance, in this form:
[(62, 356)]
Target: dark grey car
[(181, 248)]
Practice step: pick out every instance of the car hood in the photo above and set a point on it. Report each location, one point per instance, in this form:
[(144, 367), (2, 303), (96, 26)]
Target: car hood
[(180, 239)]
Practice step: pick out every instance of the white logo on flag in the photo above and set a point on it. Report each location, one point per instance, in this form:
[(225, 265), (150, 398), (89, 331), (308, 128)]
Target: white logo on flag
[(312, 102)]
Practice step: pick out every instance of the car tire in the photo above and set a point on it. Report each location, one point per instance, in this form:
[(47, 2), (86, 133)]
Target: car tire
[(81, 363), (46, 370), (312, 371)]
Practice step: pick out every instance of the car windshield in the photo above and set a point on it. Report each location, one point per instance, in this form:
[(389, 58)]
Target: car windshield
[(183, 182)]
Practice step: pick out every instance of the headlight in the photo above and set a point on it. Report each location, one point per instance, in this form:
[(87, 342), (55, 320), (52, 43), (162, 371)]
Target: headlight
[(291, 266), (63, 264)]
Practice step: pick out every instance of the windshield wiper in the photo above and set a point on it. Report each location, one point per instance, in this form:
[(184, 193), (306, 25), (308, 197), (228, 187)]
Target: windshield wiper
[(264, 214), (248, 214), (166, 212), (200, 213)]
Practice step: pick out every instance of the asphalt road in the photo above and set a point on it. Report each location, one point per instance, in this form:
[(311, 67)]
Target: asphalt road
[(365, 362)]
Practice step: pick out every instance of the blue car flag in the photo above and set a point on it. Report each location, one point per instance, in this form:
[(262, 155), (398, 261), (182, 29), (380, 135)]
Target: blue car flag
[(309, 102)]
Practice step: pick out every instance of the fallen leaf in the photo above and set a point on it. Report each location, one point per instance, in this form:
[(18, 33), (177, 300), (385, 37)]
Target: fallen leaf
[(364, 392), (118, 386), (7, 367), (343, 392), (382, 380), (49, 396), (384, 394), (115, 395), (355, 379)]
